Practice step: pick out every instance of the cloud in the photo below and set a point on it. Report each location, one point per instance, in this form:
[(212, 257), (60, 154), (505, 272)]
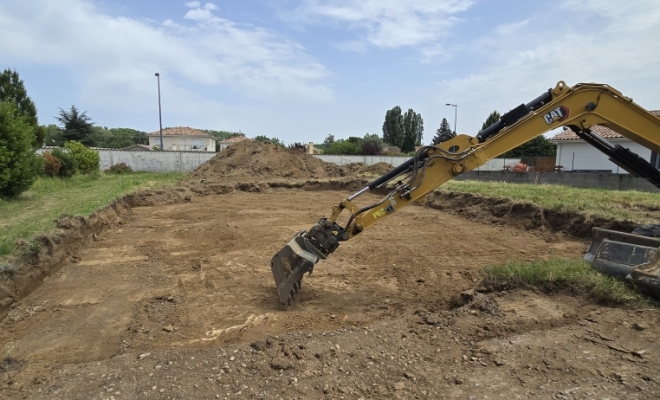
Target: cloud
[(607, 42), (511, 28), (119, 55), (387, 24)]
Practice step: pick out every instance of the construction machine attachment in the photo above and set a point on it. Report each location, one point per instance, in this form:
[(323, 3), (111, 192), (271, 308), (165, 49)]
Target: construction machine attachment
[(300, 255), (627, 256)]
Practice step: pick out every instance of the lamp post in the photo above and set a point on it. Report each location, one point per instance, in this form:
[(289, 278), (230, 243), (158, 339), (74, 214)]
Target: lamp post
[(455, 114), (160, 117)]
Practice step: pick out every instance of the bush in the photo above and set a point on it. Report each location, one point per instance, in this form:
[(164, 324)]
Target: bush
[(20, 165), (88, 160), (120, 168), (69, 164), (52, 164)]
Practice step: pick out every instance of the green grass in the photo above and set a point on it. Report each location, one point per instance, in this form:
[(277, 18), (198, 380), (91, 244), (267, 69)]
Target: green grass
[(574, 275), (34, 211), (639, 207)]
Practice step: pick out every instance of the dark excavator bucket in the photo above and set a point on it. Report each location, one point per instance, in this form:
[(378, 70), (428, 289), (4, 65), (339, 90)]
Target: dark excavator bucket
[(289, 265), (626, 256)]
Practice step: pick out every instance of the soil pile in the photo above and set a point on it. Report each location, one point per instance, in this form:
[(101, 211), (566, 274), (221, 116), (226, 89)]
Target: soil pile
[(251, 161)]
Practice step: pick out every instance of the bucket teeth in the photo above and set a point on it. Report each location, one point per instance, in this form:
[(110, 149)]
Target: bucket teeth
[(289, 265)]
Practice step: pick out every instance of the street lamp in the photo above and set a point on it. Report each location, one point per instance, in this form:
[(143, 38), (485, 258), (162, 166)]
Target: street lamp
[(455, 114), (160, 118)]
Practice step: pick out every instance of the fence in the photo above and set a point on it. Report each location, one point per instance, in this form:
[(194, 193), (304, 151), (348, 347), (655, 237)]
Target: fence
[(152, 161)]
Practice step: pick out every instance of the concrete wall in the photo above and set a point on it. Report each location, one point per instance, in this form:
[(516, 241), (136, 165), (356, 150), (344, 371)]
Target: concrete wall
[(600, 180), (153, 161), (496, 164)]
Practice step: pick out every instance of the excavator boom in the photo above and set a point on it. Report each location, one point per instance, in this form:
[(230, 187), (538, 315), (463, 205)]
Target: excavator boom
[(579, 108)]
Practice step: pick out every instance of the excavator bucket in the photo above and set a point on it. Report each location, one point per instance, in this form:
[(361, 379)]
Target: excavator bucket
[(626, 256), (290, 264)]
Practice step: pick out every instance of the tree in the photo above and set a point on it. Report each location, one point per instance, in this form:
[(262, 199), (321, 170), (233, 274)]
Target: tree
[(87, 159), (330, 139), (117, 138), (540, 146), (393, 132), (19, 164), (53, 135), (492, 118), (343, 147), (443, 133), (12, 88), (413, 130), (263, 138), (78, 126), (372, 145)]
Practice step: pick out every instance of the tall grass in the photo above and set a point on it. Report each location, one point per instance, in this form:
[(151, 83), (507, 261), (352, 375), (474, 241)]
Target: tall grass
[(35, 210), (574, 275), (640, 207)]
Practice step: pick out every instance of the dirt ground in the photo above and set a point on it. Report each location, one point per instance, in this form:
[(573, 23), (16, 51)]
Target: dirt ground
[(178, 302)]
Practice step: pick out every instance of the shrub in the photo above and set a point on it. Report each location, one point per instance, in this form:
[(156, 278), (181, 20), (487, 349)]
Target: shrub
[(88, 160), (120, 168), (19, 164), (52, 164), (69, 164)]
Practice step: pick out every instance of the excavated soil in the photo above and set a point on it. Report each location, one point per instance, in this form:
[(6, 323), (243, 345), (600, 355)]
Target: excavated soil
[(250, 161), (168, 295)]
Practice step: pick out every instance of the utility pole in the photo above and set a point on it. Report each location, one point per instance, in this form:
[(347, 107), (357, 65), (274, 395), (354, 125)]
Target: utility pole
[(160, 117), (455, 115)]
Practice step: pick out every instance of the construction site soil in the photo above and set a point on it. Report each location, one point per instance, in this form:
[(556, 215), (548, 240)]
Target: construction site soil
[(168, 294)]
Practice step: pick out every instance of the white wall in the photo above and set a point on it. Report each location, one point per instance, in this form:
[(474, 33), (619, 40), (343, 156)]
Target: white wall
[(496, 164), (182, 143), (153, 161), (580, 155)]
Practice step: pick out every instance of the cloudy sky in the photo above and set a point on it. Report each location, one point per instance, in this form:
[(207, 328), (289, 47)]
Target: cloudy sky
[(302, 69)]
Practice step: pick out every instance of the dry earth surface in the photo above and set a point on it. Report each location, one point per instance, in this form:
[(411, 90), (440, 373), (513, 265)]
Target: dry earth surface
[(176, 301)]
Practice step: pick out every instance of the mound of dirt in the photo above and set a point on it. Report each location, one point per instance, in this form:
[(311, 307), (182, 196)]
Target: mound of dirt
[(251, 160), (356, 169)]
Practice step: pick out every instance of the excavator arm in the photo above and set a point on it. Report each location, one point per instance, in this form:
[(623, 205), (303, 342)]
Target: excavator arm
[(579, 108)]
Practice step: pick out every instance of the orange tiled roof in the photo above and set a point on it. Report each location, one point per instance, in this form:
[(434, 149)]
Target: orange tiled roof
[(604, 132), (181, 131)]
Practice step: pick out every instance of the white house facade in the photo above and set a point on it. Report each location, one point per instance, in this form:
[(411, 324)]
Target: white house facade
[(574, 154), (183, 139)]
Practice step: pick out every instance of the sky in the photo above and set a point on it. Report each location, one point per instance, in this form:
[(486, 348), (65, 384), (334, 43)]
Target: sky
[(299, 70)]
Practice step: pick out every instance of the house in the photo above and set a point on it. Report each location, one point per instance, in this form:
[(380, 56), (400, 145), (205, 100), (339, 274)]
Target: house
[(223, 144), (183, 138), (574, 154), (391, 150), (310, 149), (137, 147)]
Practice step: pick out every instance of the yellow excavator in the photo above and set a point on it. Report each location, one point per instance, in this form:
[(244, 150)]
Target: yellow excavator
[(578, 108)]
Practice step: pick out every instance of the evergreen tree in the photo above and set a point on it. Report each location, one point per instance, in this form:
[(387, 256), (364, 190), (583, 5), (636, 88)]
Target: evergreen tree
[(492, 118), (12, 88), (443, 133), (19, 164), (540, 146), (393, 132), (77, 126)]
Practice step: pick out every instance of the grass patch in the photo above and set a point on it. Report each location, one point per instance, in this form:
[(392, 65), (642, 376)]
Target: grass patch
[(574, 275), (639, 207), (34, 211)]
